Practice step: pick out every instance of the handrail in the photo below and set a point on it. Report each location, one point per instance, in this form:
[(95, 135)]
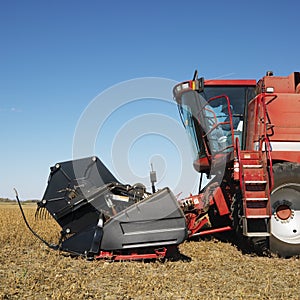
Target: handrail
[(229, 112), (238, 153), (264, 137), (216, 125), (268, 152)]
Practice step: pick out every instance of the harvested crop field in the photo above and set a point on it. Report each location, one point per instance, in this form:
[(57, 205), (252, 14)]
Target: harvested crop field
[(217, 270)]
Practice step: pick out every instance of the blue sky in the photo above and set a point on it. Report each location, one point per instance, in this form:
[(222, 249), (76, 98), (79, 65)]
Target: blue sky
[(57, 56)]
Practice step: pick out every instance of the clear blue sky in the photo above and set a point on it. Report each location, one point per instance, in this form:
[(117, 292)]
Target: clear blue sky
[(57, 56)]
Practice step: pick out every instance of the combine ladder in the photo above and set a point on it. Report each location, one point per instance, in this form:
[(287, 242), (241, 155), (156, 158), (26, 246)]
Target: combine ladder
[(256, 195)]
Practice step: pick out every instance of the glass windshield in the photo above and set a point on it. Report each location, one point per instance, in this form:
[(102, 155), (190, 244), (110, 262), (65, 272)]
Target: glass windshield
[(238, 95), (215, 119), (210, 120), (189, 109), (189, 123)]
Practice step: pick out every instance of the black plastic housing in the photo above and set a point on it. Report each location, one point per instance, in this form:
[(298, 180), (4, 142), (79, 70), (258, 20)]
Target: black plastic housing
[(81, 196)]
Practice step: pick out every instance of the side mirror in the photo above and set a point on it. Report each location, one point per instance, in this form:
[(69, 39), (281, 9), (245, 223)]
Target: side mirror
[(199, 82)]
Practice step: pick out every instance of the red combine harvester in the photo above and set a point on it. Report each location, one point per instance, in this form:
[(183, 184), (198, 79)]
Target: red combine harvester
[(246, 139)]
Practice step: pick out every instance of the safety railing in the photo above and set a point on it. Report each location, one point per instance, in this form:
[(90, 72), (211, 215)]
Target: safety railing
[(240, 163), (264, 140), (207, 117)]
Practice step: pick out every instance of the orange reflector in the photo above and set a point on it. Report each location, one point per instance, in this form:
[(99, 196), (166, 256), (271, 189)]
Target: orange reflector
[(194, 85)]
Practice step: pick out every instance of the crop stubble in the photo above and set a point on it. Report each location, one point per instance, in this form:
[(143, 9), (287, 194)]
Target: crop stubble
[(29, 270)]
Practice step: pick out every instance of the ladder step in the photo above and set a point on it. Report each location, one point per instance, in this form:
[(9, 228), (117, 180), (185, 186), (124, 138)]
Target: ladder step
[(250, 155), (258, 217), (255, 181), (258, 234), (257, 199), (252, 166), (256, 227)]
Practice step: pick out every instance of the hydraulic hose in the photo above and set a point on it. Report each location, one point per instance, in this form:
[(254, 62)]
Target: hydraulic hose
[(52, 246)]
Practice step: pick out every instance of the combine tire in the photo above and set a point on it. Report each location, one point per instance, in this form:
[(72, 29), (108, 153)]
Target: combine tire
[(285, 202)]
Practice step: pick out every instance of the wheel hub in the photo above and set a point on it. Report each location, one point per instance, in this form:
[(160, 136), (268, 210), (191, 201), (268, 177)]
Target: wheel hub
[(285, 219), (283, 212)]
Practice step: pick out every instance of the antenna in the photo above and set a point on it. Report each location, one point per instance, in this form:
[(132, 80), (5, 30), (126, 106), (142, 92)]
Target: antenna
[(195, 75), (153, 178)]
